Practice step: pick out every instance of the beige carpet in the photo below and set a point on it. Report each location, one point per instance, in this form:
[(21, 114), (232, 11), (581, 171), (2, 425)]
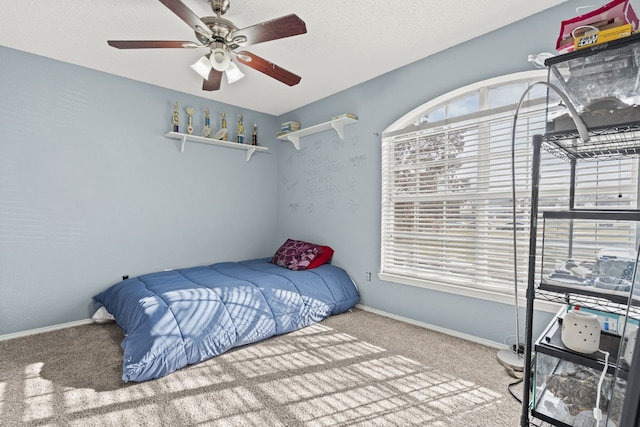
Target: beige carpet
[(355, 369)]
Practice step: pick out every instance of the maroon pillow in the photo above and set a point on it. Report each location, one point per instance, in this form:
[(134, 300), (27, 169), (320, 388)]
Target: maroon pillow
[(323, 257), (295, 254)]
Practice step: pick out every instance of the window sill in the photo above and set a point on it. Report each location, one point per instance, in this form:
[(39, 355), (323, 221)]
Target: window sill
[(482, 294)]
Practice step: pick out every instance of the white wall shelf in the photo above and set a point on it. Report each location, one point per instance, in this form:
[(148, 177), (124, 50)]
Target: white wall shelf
[(337, 124), (183, 137)]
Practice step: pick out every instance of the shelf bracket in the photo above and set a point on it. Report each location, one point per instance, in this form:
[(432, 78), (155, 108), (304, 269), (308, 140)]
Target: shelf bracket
[(339, 127), (295, 140), (250, 152), (183, 142)]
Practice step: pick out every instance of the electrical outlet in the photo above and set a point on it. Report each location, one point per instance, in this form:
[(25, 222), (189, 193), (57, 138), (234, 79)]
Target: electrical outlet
[(368, 276)]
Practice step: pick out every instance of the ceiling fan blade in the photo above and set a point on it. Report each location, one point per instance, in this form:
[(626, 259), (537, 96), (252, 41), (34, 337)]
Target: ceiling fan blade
[(213, 82), (187, 15), (279, 28), (151, 44), (268, 68)]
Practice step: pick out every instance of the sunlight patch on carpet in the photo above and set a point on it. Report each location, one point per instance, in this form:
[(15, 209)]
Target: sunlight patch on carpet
[(282, 363), (316, 377), (227, 403), (262, 418), (375, 391), (143, 415), (311, 330), (311, 355), (38, 394), (3, 387)]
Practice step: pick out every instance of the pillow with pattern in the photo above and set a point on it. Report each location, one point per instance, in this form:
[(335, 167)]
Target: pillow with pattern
[(295, 254)]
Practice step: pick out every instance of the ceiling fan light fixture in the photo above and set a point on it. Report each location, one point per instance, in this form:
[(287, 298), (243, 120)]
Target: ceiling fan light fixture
[(219, 59), (233, 73), (203, 67)]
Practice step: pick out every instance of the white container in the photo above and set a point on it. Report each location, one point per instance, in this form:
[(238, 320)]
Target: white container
[(581, 332)]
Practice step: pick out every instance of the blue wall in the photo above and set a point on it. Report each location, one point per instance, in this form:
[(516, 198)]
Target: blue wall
[(90, 189), (330, 189)]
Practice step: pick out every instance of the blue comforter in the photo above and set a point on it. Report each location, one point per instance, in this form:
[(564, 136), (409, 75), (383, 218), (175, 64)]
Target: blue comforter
[(175, 318)]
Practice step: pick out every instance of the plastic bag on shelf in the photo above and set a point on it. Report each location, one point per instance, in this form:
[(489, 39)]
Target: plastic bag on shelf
[(611, 15)]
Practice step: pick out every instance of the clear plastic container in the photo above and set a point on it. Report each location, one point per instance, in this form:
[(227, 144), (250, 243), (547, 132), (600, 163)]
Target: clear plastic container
[(602, 82)]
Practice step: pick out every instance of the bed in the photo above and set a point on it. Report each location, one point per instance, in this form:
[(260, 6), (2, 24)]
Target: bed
[(175, 318)]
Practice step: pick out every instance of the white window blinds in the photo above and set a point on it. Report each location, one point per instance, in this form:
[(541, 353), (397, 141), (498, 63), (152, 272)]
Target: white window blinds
[(446, 191)]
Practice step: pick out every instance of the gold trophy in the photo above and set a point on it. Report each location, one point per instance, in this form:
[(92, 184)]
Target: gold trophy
[(224, 126), (206, 131), (190, 112), (240, 129), (176, 118)]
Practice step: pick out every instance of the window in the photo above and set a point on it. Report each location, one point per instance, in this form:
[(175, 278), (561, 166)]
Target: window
[(447, 210)]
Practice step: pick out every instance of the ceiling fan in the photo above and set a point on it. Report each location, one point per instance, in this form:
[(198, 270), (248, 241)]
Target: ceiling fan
[(223, 40)]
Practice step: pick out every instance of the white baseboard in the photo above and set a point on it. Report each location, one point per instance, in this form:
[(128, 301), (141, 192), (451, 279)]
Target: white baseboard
[(435, 328), (45, 329), (451, 332)]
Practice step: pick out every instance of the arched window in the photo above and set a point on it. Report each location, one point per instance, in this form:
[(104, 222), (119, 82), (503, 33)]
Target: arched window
[(447, 209)]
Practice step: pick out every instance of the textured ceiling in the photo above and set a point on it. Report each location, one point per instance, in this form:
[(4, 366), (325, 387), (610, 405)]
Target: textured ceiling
[(347, 42)]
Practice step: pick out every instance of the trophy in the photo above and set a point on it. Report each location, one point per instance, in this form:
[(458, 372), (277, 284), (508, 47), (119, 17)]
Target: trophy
[(176, 118), (254, 134), (190, 112), (206, 131), (240, 129), (224, 127)]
